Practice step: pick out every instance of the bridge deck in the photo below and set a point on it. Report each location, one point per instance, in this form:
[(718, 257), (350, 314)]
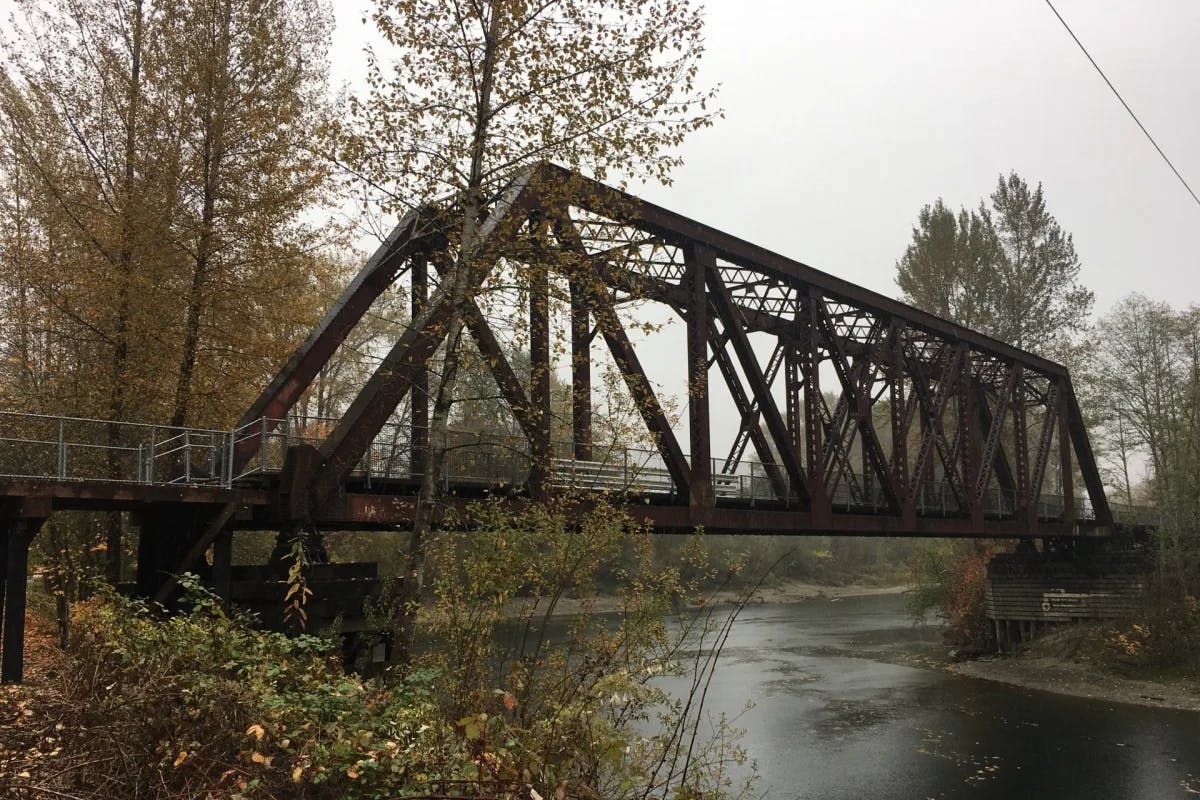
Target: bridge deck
[(82, 464)]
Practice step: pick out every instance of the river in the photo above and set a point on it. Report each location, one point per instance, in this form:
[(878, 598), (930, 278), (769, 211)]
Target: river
[(836, 716)]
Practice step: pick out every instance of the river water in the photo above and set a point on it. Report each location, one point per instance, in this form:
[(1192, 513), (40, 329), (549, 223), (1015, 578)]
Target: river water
[(835, 716)]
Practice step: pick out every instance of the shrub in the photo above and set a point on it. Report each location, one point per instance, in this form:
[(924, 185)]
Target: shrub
[(203, 705), (951, 579)]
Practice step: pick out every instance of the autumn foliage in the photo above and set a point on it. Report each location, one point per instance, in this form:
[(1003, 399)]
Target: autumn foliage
[(505, 692), (951, 580)]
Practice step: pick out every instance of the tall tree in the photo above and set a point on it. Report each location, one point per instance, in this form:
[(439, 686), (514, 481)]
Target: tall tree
[(472, 93), (1041, 302), (158, 184), (1149, 387), (1009, 271), (948, 270), (247, 78), (164, 153)]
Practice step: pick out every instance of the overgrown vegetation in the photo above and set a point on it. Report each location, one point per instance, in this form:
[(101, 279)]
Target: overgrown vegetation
[(503, 690), (949, 579)]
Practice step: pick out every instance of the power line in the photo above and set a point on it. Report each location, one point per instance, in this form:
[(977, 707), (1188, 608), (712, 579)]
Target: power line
[(1122, 99)]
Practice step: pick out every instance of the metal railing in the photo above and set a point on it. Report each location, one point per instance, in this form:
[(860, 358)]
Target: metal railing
[(61, 448), (39, 446)]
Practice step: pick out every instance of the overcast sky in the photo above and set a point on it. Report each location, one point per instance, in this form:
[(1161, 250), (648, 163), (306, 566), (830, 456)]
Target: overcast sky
[(844, 118)]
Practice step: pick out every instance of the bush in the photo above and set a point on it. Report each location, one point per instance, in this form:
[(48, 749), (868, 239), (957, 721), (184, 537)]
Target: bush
[(950, 578), (203, 705), (568, 700)]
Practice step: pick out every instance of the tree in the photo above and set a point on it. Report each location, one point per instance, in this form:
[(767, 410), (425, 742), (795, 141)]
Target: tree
[(157, 257), (1149, 384), (1009, 271), (472, 93), (948, 270), (162, 151), (248, 79), (1041, 302)]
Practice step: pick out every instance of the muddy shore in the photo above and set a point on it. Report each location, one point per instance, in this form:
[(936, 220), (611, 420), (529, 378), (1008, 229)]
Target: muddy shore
[(1051, 673)]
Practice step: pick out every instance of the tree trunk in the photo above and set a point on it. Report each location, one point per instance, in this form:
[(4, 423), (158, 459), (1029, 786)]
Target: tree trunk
[(120, 356), (459, 286), (212, 155)]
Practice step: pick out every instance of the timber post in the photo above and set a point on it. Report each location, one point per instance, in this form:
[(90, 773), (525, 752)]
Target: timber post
[(19, 531)]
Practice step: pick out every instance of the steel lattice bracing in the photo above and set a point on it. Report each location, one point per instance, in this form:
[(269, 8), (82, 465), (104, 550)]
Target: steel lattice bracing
[(866, 415)]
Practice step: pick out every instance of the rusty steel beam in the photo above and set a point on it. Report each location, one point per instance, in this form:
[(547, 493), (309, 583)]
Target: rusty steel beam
[(677, 229), (642, 392), (700, 262), (995, 427), (539, 379), (1064, 456), (419, 403), (581, 373), (388, 512), (1021, 496), (966, 435), (859, 403), (418, 229), (383, 391), (933, 410), (877, 348), (752, 418), (898, 417), (762, 447), (1002, 465), (1087, 459), (396, 373), (1043, 451), (502, 372), (734, 327)]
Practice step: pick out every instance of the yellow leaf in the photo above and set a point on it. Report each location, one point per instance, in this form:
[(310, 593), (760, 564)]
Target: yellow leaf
[(179, 759), (256, 731), (259, 758), (351, 773), (297, 774)]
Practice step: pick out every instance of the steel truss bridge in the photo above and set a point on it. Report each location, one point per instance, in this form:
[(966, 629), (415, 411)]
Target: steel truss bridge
[(855, 414)]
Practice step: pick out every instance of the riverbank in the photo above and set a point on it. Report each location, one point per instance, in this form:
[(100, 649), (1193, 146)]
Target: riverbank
[(1060, 662), (781, 593)]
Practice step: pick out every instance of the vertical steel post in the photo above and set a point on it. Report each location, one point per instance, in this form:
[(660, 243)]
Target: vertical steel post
[(222, 566), (419, 395), (539, 378), (809, 352), (16, 567), (581, 370), (153, 446), (62, 451), (700, 487), (1064, 459)]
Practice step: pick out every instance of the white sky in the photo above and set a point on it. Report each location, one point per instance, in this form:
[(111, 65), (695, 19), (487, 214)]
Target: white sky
[(844, 118)]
